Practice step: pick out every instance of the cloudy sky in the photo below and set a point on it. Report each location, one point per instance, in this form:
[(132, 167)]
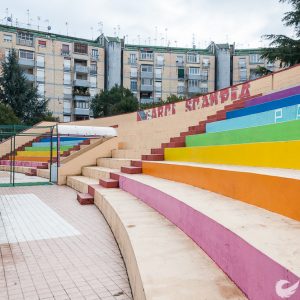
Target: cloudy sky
[(160, 22)]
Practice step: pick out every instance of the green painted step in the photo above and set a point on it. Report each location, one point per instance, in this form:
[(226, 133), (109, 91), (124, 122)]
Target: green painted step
[(285, 131), (63, 148)]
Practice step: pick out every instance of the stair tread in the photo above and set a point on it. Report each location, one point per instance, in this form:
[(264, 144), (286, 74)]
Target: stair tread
[(102, 169), (151, 235), (84, 179), (274, 235)]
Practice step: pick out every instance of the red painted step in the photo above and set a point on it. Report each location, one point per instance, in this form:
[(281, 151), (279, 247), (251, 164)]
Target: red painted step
[(136, 163), (157, 151), (131, 170), (91, 189), (154, 157), (109, 183), (85, 199), (173, 145), (85, 142), (114, 176), (179, 139)]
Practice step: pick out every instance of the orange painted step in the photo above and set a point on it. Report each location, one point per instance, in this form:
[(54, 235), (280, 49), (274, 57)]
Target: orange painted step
[(32, 158)]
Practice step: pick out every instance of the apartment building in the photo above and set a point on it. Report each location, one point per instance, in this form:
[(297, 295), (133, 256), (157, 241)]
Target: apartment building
[(245, 63), (66, 70), (154, 73)]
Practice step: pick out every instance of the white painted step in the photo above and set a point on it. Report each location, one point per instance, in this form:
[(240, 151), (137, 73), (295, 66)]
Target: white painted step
[(114, 163), (162, 262), (98, 172), (80, 183)]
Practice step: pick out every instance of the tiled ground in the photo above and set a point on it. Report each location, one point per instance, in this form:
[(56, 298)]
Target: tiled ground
[(20, 178), (53, 248)]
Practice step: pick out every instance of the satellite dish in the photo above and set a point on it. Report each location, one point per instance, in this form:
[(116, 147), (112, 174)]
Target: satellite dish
[(9, 19), (49, 28)]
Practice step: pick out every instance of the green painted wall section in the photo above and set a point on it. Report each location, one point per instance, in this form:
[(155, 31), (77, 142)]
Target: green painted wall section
[(63, 148), (285, 131)]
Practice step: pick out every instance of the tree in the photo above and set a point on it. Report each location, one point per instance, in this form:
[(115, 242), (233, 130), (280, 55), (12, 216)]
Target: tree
[(262, 71), (7, 116), (284, 48), (20, 94), (173, 98), (117, 100)]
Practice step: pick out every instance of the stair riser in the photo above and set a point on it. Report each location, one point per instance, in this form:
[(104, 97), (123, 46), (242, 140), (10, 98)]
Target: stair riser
[(96, 174), (113, 163)]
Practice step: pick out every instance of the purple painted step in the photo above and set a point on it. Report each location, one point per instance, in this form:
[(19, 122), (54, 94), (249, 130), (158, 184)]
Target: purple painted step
[(274, 96)]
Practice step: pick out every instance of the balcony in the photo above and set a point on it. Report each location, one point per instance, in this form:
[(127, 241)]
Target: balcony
[(194, 76), (146, 100), (81, 82), (26, 62), (158, 76), (94, 57), (146, 56), (82, 111), (133, 74), (81, 69), (29, 77), (81, 98), (24, 42), (65, 53), (194, 89), (68, 96), (132, 62), (146, 88), (146, 74)]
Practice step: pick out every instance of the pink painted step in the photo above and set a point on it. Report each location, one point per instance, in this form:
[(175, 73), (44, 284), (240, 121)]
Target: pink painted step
[(85, 199), (154, 157), (131, 170), (33, 164), (109, 183)]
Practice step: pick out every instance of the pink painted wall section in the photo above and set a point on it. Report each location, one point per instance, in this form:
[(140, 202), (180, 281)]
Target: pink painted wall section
[(253, 272)]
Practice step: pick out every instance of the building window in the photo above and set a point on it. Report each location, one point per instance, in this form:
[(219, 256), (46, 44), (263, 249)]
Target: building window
[(7, 38), (42, 44), (67, 78), (40, 74), (147, 68), (132, 58), (242, 63), (243, 74), (93, 68), (180, 88), (65, 49), (93, 81), (80, 48), (67, 90), (180, 60), (194, 71), (25, 38), (41, 90), (40, 61), (205, 62), (159, 60), (193, 83), (204, 75), (26, 54), (158, 86), (193, 58), (133, 72), (82, 104), (133, 85), (67, 119), (180, 72), (95, 54), (93, 92), (158, 73), (147, 81), (146, 55), (255, 59), (67, 64)]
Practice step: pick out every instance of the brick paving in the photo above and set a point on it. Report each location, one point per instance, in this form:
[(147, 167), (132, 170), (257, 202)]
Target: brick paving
[(53, 248)]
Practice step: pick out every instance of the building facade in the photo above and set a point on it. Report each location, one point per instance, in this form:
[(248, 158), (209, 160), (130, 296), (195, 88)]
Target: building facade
[(67, 71), (154, 73)]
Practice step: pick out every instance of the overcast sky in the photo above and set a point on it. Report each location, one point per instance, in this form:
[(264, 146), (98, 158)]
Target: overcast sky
[(157, 21)]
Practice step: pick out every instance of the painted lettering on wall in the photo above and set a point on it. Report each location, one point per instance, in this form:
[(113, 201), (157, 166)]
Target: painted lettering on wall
[(213, 99)]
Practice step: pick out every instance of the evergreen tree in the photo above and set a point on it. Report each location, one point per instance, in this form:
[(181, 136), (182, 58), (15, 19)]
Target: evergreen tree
[(284, 48), (19, 93), (7, 116), (116, 101)]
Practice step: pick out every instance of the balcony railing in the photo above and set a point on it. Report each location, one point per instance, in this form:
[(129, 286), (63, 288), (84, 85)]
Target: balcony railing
[(29, 77), (26, 62), (194, 89), (24, 42), (81, 69), (94, 57), (180, 90), (146, 100), (132, 61), (82, 111), (81, 98), (67, 110), (68, 96), (65, 53), (146, 74), (146, 88), (194, 76), (81, 82)]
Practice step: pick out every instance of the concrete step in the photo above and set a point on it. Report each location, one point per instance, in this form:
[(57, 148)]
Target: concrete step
[(127, 153), (81, 183), (114, 163), (161, 261), (242, 239), (97, 172)]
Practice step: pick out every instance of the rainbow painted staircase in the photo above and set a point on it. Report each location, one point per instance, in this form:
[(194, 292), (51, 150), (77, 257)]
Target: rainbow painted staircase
[(35, 155), (231, 185)]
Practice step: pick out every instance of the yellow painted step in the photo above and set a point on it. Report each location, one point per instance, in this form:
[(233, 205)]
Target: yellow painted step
[(36, 153)]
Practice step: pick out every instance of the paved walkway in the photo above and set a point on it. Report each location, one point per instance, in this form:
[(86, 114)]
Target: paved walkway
[(53, 248), (20, 178)]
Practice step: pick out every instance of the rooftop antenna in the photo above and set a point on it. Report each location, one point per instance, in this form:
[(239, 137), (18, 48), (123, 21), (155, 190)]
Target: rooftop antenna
[(155, 37), (28, 18), (149, 40), (193, 41), (38, 26), (48, 26), (10, 19), (17, 23), (115, 31), (162, 41), (67, 27), (166, 37), (119, 29), (139, 39), (6, 12), (175, 43), (92, 30), (100, 27)]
